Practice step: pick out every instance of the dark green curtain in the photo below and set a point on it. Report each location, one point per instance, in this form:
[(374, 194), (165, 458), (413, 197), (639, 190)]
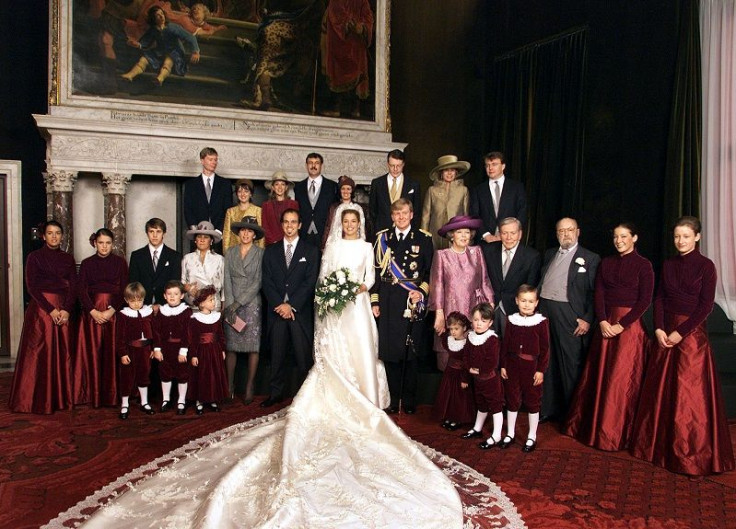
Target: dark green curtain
[(682, 176), (535, 113)]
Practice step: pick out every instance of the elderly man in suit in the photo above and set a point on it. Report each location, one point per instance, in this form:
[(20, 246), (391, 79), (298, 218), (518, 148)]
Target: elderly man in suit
[(404, 260), (290, 271), (388, 188), (315, 194), (510, 264), (207, 197), (154, 264), (496, 199), (566, 292)]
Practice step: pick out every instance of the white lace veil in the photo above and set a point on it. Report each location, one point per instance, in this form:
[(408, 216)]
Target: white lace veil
[(336, 227)]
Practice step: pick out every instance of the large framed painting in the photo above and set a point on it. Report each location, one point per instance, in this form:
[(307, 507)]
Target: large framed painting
[(321, 58)]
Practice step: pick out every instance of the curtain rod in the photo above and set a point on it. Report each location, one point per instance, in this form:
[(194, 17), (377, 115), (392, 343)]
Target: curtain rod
[(541, 42)]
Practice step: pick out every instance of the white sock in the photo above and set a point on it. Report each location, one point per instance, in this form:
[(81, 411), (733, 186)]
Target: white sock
[(144, 395), (126, 402), (480, 419), (511, 423), (533, 423), (497, 425), (166, 390), (183, 392), (199, 403)]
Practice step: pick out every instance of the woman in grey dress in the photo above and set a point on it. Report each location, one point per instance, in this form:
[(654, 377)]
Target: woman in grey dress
[(243, 302)]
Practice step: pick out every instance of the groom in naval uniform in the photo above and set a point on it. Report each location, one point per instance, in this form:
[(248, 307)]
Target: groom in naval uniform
[(404, 259), (290, 271)]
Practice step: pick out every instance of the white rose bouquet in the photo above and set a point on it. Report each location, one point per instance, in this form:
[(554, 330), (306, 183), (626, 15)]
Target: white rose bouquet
[(335, 291)]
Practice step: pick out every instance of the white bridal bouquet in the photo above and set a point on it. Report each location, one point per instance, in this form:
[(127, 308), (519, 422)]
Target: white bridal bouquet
[(335, 291)]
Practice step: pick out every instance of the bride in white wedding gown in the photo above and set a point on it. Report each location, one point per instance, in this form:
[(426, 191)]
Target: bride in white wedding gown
[(334, 459)]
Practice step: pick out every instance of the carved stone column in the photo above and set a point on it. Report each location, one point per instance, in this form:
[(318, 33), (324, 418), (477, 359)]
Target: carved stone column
[(114, 186), (59, 186)]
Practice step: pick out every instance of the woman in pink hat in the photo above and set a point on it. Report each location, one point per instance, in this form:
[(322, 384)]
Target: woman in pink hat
[(458, 280)]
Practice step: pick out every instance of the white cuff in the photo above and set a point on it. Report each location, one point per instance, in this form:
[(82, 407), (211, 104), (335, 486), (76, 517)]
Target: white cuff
[(183, 351)]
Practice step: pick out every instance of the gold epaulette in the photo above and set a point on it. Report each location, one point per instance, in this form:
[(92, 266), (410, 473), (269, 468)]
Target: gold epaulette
[(382, 231), (425, 232)]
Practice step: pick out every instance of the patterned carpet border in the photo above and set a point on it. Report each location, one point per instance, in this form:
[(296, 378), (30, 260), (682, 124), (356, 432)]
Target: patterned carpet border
[(485, 505)]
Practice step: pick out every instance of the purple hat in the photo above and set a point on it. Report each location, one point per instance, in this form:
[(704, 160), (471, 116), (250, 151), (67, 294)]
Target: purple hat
[(458, 222)]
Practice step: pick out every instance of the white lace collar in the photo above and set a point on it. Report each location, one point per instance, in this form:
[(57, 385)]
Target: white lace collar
[(480, 339), (168, 310), (455, 345), (526, 321), (146, 310), (212, 317)]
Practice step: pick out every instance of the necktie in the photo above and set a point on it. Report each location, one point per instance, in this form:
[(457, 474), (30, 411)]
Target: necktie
[(506, 264), (394, 190), (289, 254), (496, 196), (155, 259), (208, 188), (401, 237)]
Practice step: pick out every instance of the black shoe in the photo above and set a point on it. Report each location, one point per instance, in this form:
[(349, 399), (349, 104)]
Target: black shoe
[(528, 448), (410, 410), (391, 410), (271, 400), (485, 445), (146, 408), (471, 435), (123, 413), (446, 424), (507, 441), (215, 407), (199, 409), (165, 406), (181, 409), (546, 418), (453, 426)]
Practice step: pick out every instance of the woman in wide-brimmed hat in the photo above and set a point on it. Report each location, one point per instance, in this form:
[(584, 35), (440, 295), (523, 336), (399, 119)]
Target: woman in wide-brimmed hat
[(244, 208), (346, 188), (459, 279), (278, 202), (447, 198), (203, 266), (243, 302)]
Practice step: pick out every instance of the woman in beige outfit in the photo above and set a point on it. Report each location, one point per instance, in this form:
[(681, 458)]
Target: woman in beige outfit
[(447, 198)]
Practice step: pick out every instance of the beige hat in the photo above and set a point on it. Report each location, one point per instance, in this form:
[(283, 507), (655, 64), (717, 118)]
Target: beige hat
[(278, 176), (449, 161), (205, 228)]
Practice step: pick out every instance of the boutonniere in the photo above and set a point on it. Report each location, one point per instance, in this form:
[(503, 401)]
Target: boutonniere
[(580, 261)]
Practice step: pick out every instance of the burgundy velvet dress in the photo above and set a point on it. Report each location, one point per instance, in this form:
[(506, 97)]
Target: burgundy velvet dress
[(525, 350), (681, 423), (605, 401), (101, 284), (453, 403), (42, 379), (208, 381), (482, 351)]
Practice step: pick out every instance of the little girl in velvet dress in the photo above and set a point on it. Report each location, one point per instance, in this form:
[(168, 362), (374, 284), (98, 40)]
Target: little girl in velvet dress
[(454, 404), (208, 382)]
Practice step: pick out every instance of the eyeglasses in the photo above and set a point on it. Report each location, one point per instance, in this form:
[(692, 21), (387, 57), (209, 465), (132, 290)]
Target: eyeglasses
[(563, 231)]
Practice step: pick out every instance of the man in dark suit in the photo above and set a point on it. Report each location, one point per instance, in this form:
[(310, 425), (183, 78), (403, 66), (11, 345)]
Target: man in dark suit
[(315, 194), (154, 264), (566, 292), (496, 199), (208, 196), (510, 265), (386, 189), (409, 252), (290, 270)]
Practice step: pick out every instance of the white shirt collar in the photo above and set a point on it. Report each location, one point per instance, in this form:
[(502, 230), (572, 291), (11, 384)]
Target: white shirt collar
[(168, 310), (146, 310), (211, 178), (317, 181), (152, 248), (405, 232), (501, 179), (526, 321), (571, 250), (513, 250), (455, 345), (480, 339), (212, 317), (293, 243)]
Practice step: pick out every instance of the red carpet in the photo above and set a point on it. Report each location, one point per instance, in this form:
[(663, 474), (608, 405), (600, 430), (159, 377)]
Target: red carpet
[(49, 463)]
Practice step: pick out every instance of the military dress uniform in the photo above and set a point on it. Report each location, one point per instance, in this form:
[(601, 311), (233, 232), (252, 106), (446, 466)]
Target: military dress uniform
[(400, 264)]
